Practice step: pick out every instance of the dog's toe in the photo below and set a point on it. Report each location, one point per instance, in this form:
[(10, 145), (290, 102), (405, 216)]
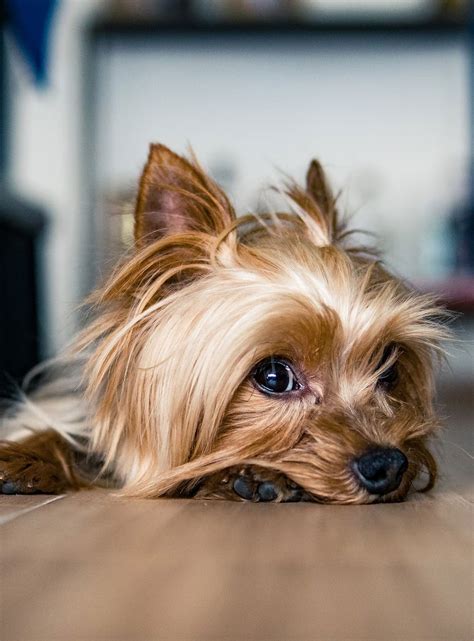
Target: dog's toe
[(9, 487), (267, 491), (244, 488), (19, 486), (295, 495)]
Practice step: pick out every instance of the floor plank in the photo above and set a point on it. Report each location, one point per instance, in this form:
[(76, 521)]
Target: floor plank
[(12, 507)]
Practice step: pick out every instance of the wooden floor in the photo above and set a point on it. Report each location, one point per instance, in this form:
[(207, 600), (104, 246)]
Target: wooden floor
[(92, 567)]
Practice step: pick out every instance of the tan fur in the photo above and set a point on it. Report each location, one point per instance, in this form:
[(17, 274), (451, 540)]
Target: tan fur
[(179, 327)]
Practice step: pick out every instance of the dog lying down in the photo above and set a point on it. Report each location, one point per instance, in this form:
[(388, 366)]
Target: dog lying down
[(263, 358)]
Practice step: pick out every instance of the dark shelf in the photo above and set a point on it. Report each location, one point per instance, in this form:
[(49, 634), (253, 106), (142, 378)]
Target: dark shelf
[(114, 28), (455, 292)]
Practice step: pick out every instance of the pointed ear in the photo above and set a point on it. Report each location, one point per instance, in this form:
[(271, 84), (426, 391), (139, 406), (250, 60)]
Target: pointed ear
[(176, 196), (318, 187), (322, 203)]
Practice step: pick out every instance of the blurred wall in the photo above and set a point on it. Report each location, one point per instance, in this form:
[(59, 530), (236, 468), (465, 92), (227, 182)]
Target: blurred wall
[(45, 164), (389, 120), (387, 115)]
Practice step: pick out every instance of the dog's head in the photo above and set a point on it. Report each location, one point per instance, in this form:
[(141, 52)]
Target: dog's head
[(268, 340)]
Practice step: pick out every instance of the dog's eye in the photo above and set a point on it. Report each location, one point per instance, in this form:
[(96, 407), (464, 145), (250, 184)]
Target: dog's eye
[(389, 376), (275, 376)]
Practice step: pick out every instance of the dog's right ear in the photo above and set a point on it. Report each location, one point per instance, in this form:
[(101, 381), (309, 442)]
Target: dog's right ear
[(318, 202), (176, 196)]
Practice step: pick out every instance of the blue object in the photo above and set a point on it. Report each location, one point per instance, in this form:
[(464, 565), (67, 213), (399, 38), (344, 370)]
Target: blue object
[(30, 23)]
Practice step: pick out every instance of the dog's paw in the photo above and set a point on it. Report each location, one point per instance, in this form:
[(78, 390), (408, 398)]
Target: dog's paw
[(25, 472), (30, 477), (262, 485), (252, 483)]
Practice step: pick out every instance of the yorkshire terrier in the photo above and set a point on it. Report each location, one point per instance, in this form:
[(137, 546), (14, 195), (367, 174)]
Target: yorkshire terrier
[(267, 357)]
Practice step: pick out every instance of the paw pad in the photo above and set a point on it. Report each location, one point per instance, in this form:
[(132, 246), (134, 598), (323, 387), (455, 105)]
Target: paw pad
[(9, 487)]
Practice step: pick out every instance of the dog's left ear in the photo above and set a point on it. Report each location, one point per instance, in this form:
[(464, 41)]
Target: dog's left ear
[(176, 196)]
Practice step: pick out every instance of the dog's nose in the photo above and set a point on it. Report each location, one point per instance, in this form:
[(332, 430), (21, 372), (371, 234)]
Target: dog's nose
[(380, 471)]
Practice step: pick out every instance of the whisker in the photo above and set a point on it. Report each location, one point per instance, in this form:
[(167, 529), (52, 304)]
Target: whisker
[(459, 447)]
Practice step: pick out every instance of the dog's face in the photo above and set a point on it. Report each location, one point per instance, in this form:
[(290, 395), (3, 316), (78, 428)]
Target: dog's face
[(268, 342)]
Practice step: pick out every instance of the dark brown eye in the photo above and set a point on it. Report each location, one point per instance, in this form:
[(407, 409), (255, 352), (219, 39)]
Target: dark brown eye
[(389, 375), (274, 376)]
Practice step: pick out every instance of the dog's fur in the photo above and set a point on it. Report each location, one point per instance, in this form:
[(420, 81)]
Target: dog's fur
[(167, 398)]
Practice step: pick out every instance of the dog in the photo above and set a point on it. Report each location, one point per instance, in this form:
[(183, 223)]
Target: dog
[(265, 357)]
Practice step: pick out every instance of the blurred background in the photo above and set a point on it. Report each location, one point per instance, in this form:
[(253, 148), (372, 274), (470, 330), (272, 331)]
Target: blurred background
[(379, 90)]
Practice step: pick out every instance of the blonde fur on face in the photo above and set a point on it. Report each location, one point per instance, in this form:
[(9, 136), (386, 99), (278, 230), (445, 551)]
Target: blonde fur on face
[(205, 297)]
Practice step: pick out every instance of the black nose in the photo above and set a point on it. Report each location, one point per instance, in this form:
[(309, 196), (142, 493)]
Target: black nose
[(380, 471)]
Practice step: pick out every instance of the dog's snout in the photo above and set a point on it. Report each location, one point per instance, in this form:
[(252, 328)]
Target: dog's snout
[(380, 471)]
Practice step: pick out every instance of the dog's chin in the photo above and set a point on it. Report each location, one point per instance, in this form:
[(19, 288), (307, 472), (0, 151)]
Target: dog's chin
[(397, 496)]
